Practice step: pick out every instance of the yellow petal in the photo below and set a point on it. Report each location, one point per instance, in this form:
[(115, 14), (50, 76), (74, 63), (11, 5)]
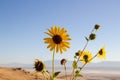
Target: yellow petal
[(52, 48), (54, 30), (66, 44), (57, 48), (50, 31), (49, 34), (58, 30), (64, 48), (60, 50)]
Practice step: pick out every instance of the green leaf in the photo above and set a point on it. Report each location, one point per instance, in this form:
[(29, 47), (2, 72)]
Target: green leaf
[(55, 74), (74, 64), (78, 75), (51, 78), (47, 71)]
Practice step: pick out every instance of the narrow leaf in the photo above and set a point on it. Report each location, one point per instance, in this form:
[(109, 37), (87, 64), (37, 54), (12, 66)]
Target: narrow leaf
[(55, 74), (74, 64), (78, 75)]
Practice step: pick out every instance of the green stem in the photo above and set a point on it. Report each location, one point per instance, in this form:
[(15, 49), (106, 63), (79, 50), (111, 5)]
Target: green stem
[(44, 76), (79, 58), (65, 71), (83, 66), (72, 74), (83, 50), (81, 54), (53, 63)]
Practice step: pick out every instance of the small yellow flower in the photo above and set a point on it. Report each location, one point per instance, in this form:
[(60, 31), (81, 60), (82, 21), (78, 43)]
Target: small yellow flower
[(58, 39), (39, 65), (102, 53), (86, 57)]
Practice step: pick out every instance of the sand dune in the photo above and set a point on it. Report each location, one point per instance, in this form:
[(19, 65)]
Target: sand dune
[(20, 74), (15, 74)]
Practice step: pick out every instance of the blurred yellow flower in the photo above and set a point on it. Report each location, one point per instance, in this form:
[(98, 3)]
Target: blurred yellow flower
[(58, 39), (86, 57), (102, 53)]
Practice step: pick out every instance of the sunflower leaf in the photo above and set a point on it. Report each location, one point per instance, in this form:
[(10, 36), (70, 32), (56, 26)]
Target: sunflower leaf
[(55, 74), (74, 65), (78, 75)]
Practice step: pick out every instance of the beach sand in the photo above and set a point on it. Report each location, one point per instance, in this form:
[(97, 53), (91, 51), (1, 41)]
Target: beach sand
[(20, 74)]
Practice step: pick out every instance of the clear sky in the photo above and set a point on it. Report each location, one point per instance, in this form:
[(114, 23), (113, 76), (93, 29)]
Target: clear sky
[(23, 23)]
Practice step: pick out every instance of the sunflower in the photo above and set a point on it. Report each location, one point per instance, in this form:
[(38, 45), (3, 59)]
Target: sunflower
[(39, 65), (102, 53), (86, 57), (58, 39)]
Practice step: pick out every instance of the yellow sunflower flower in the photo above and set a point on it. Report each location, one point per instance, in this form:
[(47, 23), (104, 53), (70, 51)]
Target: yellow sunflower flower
[(58, 39), (102, 53), (86, 57)]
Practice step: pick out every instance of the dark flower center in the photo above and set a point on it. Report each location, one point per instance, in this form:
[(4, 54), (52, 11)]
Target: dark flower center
[(101, 52), (86, 58), (39, 66), (57, 39)]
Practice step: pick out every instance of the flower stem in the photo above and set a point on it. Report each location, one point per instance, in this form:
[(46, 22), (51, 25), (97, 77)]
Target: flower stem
[(53, 63), (65, 71), (80, 55), (83, 50), (44, 76), (83, 66)]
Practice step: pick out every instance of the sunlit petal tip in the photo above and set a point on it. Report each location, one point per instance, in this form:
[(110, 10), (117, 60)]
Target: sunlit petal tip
[(69, 39), (49, 46)]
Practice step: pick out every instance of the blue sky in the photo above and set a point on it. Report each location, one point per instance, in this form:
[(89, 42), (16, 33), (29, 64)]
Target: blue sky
[(23, 23)]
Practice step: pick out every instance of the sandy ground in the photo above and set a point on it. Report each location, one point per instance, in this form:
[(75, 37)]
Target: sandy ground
[(20, 74)]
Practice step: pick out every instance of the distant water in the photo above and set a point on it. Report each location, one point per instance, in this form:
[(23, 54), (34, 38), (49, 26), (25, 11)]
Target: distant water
[(101, 71), (87, 70)]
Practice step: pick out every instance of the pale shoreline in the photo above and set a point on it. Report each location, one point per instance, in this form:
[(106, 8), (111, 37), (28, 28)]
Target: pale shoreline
[(20, 74)]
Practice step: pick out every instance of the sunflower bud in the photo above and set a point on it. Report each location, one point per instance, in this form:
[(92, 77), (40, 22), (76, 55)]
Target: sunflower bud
[(39, 65), (78, 53), (63, 61), (92, 36), (97, 26)]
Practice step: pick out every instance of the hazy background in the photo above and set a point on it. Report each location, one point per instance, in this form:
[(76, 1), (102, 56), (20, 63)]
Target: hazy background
[(23, 23)]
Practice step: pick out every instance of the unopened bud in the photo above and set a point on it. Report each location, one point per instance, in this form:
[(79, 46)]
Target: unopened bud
[(97, 26), (92, 36), (63, 61)]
